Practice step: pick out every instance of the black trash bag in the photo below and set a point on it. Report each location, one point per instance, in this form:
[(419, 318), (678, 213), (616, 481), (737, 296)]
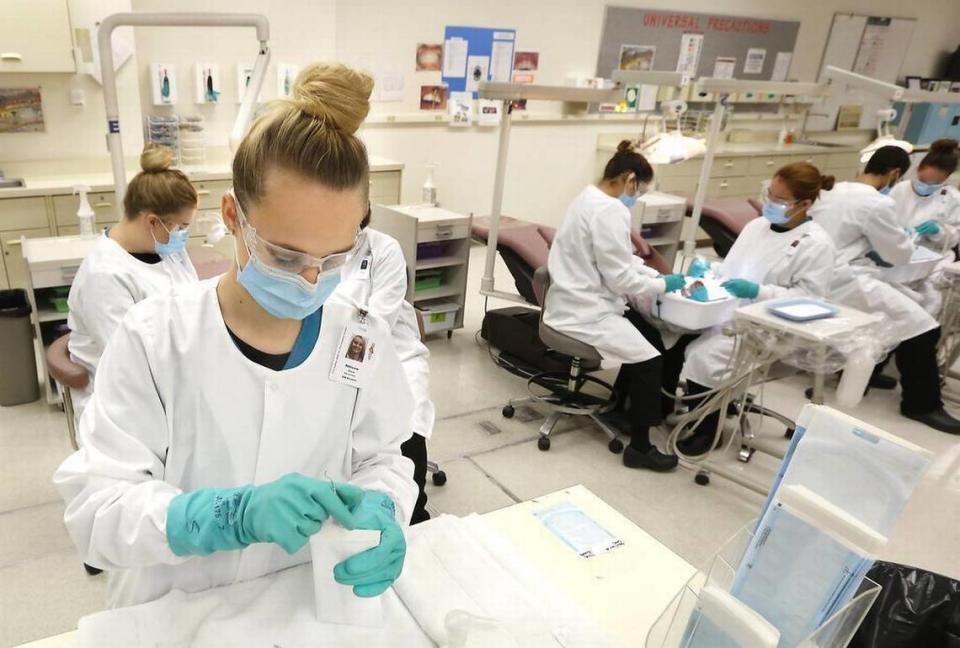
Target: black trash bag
[(915, 608)]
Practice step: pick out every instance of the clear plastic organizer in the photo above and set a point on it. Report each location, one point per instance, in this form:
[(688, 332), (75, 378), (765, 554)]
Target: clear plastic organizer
[(438, 317), (703, 613), (678, 309), (922, 263)]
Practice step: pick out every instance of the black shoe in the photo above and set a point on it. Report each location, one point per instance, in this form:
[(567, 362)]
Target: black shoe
[(881, 381), (652, 459), (618, 421), (938, 419), (698, 444)]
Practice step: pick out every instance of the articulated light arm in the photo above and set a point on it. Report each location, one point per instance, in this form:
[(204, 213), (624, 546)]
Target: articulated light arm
[(105, 32)]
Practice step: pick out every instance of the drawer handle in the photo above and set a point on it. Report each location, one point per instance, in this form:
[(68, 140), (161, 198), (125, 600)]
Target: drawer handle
[(203, 192), (770, 163), (728, 165), (15, 57), (724, 185), (14, 242), (103, 204)]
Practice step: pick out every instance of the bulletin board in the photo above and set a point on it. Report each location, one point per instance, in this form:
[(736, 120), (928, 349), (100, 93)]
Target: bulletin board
[(871, 45), (475, 54), (724, 37)]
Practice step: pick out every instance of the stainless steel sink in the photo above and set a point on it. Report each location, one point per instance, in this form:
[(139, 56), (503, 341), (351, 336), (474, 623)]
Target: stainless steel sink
[(823, 144), (11, 183)]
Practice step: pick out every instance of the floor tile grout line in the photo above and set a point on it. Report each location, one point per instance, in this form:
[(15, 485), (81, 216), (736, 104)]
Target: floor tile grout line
[(495, 481), (30, 506)]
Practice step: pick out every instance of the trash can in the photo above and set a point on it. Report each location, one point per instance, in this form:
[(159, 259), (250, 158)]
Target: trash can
[(18, 370)]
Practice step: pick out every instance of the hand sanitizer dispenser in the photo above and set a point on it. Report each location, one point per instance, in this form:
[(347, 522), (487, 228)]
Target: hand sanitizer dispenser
[(429, 188), (85, 213)]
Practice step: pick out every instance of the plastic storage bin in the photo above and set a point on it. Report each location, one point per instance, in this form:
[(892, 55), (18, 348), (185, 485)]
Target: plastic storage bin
[(428, 279), (438, 317), (691, 315), (432, 249), (18, 371), (922, 263)]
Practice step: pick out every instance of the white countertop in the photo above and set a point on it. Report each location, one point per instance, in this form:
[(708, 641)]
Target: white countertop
[(751, 149), (624, 590), (57, 182)]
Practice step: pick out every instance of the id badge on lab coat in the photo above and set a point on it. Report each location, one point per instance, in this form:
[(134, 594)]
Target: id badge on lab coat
[(354, 355)]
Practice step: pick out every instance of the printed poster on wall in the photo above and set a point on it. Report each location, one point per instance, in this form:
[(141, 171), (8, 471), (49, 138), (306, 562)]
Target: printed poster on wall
[(690, 47), (755, 58), (637, 57), (21, 111), (781, 66), (724, 67)]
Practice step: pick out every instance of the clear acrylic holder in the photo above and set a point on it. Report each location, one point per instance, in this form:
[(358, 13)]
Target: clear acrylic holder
[(671, 629)]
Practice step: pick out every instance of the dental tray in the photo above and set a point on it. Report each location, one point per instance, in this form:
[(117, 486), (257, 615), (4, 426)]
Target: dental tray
[(802, 310), (921, 264), (682, 311)]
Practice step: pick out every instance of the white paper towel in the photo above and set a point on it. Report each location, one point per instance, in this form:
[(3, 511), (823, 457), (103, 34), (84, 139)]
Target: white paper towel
[(337, 603)]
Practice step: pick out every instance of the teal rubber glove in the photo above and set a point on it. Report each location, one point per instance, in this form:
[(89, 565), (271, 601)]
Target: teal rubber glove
[(927, 228), (700, 294), (371, 572), (674, 282), (286, 512), (742, 288), (699, 268)]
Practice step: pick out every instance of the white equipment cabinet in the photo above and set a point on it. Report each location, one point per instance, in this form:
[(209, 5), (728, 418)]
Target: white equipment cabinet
[(661, 215), (436, 248), (35, 37)]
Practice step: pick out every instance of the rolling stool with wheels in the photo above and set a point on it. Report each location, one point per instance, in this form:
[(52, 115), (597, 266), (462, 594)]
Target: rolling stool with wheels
[(69, 375), (563, 392)]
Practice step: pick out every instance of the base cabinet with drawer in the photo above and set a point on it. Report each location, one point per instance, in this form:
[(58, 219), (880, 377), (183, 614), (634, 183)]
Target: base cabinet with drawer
[(436, 247)]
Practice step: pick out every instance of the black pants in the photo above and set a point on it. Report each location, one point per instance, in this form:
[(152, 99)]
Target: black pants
[(638, 384), (415, 449), (919, 374)]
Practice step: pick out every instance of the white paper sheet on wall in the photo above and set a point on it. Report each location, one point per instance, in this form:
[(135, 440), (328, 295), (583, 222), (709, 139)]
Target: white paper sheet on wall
[(781, 66), (455, 58), (755, 59), (388, 84), (690, 47), (501, 61), (648, 98), (724, 67), (478, 69)]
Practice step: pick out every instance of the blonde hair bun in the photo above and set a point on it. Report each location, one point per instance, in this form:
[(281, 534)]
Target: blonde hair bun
[(334, 93), (156, 158)]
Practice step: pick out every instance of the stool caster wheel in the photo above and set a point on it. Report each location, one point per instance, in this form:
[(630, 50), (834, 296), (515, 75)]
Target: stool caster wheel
[(439, 478), (543, 443), (450, 334), (93, 571), (507, 411), (789, 433), (616, 446), (702, 478)]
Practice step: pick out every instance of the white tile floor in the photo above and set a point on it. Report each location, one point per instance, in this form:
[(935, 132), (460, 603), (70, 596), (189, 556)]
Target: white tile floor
[(44, 590)]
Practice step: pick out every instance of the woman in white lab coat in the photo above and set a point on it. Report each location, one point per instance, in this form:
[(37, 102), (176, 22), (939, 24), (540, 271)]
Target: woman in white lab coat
[(376, 276), (863, 224), (593, 274), (782, 254), (930, 207), (228, 426), (142, 255)]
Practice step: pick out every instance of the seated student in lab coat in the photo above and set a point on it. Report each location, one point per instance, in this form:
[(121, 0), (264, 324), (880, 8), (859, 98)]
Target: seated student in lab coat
[(930, 207), (142, 255), (863, 224), (376, 275), (594, 274), (782, 254), (228, 425)]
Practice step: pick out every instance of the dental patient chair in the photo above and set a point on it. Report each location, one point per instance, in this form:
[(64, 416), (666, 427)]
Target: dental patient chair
[(562, 392), (724, 218)]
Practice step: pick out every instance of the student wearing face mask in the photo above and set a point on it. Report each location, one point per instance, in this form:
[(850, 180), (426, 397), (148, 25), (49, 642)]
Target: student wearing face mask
[(228, 426), (594, 275), (782, 254), (863, 225), (142, 255)]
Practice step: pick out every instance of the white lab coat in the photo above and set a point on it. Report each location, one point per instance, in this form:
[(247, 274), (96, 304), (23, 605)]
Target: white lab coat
[(797, 263), (944, 208), (593, 274), (381, 284), (859, 218), (177, 407), (109, 282)]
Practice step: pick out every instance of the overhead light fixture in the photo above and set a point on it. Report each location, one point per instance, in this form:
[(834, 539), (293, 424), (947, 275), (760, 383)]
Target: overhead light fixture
[(884, 136), (670, 147)]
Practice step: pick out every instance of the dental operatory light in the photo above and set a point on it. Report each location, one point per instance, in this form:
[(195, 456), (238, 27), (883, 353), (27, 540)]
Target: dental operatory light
[(669, 147), (884, 136)]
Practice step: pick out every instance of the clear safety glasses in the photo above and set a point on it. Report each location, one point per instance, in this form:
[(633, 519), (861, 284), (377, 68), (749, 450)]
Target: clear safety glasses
[(282, 258), (765, 197)]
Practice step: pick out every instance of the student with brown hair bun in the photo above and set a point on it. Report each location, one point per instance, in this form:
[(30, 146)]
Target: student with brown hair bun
[(142, 255), (228, 426), (782, 254)]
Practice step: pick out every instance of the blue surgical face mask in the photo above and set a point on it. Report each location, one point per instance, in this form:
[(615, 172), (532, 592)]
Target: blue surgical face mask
[(286, 295), (628, 200), (174, 245), (775, 213), (885, 190), (925, 189)]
